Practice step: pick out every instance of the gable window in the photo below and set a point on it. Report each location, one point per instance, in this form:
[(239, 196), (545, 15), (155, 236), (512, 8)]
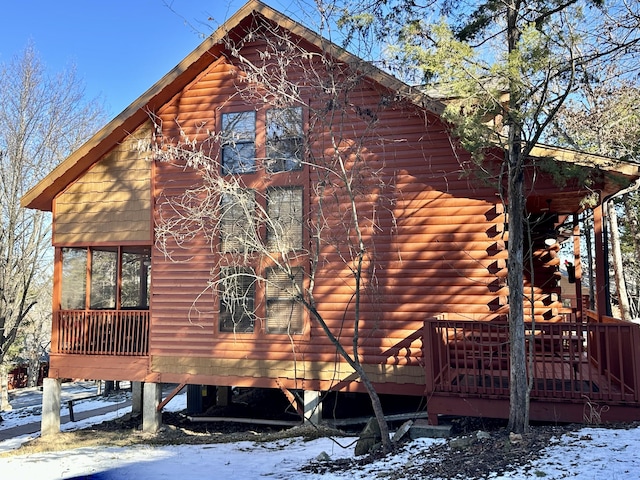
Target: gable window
[(284, 313), (237, 294), (237, 228), (284, 210), (105, 278), (238, 142), (284, 139)]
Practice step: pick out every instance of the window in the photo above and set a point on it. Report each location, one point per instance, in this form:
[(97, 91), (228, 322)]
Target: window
[(237, 224), (284, 313), (109, 267), (237, 294), (238, 142), (284, 139), (284, 210)]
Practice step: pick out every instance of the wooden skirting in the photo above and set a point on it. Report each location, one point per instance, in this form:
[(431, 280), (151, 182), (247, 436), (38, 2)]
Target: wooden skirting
[(96, 367), (324, 375), (540, 410)]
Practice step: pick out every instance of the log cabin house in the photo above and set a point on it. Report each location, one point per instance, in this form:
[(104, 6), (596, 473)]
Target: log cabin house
[(131, 303)]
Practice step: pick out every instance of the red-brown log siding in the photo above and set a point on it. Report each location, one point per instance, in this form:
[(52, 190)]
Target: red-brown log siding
[(434, 239), (433, 231)]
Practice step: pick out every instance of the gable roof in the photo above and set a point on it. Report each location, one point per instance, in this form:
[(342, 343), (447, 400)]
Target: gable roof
[(41, 196)]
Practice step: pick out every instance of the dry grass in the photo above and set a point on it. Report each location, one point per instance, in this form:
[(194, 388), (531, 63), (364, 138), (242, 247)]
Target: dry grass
[(176, 430)]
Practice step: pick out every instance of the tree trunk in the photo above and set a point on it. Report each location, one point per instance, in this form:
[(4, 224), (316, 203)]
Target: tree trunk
[(518, 391), (634, 236), (588, 232), (616, 253), (518, 388), (376, 404), (377, 409), (4, 388)]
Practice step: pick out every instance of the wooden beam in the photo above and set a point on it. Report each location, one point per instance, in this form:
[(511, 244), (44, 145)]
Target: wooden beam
[(172, 394)]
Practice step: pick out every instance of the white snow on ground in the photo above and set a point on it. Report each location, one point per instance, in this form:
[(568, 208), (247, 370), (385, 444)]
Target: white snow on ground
[(590, 453)]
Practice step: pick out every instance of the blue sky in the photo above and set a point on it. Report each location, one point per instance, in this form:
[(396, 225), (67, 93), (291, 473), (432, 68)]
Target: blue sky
[(119, 48)]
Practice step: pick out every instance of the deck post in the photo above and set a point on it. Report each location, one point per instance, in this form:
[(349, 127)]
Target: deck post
[(312, 407), (151, 417), (224, 396), (428, 356), (51, 395), (136, 398)]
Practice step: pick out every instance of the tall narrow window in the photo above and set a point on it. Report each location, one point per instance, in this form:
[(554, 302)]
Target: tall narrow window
[(104, 277), (237, 221), (136, 277), (238, 142), (237, 300), (74, 278), (284, 139), (284, 211), (284, 313)]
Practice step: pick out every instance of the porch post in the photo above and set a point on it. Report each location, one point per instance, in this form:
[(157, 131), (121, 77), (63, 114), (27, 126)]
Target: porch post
[(136, 398), (312, 407), (51, 395), (577, 263), (600, 261), (151, 417), (224, 396)]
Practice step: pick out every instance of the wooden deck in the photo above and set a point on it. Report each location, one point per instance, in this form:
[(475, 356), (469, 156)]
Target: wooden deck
[(580, 371)]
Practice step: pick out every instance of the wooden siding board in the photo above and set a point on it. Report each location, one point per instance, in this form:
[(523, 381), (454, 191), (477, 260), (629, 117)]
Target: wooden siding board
[(97, 367), (328, 372), (111, 202)]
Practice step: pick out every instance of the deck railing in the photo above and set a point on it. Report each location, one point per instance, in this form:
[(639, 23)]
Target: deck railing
[(101, 332), (593, 361)]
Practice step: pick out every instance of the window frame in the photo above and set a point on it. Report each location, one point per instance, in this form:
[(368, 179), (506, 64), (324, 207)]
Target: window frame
[(249, 317), (228, 225), (284, 297), (228, 143), (285, 163), (285, 229)]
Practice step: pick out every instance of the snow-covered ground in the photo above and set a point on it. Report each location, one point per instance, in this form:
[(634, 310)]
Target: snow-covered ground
[(590, 453)]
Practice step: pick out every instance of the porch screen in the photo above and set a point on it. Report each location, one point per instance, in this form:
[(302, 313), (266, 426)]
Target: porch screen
[(74, 278), (104, 275), (284, 313), (136, 277), (110, 277)]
